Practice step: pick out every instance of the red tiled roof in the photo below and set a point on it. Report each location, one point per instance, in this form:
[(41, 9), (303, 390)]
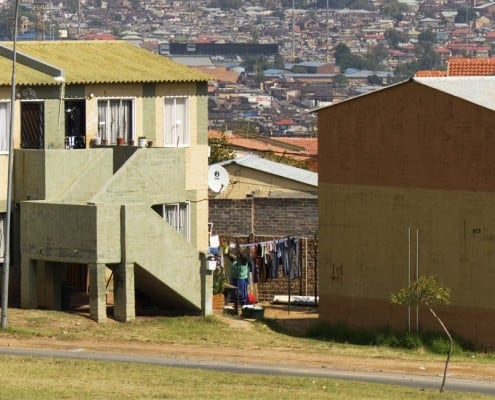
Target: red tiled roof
[(270, 145), (471, 66), (310, 145), (464, 67), (461, 31), (431, 74), (221, 74), (100, 36), (285, 122), (442, 50)]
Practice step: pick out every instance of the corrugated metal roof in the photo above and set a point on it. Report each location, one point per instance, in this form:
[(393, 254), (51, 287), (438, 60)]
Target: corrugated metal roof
[(90, 62), (478, 90), (274, 168)]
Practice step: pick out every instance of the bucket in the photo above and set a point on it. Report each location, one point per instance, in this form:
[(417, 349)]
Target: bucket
[(253, 312), (211, 263)]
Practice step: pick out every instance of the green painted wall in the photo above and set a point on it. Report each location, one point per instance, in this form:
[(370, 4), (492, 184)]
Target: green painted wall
[(54, 124), (39, 177), (150, 176), (149, 123)]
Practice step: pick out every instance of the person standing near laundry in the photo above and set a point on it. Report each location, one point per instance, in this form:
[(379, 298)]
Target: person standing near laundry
[(240, 277)]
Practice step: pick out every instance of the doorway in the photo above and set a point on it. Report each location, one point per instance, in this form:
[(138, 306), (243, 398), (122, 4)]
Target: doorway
[(32, 125), (75, 124)]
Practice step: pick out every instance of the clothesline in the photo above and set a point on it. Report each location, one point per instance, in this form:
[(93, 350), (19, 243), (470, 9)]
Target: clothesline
[(265, 242)]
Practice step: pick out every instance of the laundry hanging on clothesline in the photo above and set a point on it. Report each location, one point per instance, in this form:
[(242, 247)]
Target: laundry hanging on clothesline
[(272, 256)]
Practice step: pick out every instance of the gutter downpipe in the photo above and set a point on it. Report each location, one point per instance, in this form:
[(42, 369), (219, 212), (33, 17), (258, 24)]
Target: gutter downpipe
[(6, 265)]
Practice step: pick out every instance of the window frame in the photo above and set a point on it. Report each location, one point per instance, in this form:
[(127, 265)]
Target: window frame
[(5, 149), (3, 217), (106, 134), (181, 214), (174, 139)]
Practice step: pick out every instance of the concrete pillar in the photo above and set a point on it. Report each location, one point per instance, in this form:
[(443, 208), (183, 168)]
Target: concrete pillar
[(29, 286), (206, 287), (97, 293), (123, 291)]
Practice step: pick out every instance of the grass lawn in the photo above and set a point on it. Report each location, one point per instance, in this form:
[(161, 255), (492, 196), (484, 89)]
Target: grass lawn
[(41, 378), (45, 378)]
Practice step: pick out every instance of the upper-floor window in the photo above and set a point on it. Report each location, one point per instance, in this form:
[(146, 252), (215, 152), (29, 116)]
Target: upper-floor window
[(115, 120), (176, 123), (4, 126)]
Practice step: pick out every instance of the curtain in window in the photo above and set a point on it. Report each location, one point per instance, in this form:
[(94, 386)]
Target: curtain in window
[(2, 236), (171, 215), (176, 122), (114, 119), (102, 120), (184, 220), (4, 126), (177, 215)]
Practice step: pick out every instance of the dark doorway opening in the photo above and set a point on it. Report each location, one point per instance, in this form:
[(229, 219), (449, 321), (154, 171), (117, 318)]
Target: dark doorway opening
[(32, 131), (75, 124)]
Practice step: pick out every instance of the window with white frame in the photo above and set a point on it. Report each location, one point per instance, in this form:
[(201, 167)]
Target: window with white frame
[(176, 215), (4, 126), (115, 120), (2, 237), (176, 122)]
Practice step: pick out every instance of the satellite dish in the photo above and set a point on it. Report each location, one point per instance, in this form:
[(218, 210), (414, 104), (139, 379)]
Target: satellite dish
[(218, 178)]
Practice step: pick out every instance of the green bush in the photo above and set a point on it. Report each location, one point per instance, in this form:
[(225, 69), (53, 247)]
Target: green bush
[(411, 341), (434, 342), (439, 345)]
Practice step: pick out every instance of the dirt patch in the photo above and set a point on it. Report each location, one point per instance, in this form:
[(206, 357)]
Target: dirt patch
[(295, 320)]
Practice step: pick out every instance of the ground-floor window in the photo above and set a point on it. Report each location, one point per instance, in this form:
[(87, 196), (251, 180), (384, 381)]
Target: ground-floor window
[(177, 215), (2, 237)]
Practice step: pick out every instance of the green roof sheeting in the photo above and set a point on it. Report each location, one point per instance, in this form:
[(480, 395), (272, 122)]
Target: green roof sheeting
[(95, 61)]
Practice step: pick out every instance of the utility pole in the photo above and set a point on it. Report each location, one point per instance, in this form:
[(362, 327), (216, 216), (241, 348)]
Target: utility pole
[(328, 49), (293, 57), (78, 19), (6, 264)]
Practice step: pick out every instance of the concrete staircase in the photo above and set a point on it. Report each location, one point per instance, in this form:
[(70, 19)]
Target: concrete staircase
[(113, 192)]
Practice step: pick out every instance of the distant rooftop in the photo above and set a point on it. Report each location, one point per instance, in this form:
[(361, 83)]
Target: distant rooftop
[(463, 67), (274, 168)]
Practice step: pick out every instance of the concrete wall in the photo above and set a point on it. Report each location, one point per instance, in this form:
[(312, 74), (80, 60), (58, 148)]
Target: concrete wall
[(38, 173), (407, 159), (87, 235)]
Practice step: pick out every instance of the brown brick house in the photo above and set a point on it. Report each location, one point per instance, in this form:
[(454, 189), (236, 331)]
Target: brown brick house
[(406, 188)]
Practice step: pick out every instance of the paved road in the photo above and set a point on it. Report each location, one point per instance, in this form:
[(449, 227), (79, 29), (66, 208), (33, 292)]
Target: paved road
[(427, 382)]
